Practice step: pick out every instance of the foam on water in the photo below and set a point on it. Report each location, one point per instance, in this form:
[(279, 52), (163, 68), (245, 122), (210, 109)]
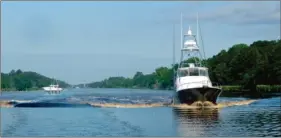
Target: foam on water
[(116, 102), (197, 104), (118, 105)]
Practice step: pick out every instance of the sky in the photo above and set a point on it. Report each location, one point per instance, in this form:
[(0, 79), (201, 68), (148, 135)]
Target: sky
[(82, 42)]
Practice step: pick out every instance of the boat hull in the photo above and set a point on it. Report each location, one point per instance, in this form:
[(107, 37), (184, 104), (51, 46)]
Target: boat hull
[(50, 89), (189, 96)]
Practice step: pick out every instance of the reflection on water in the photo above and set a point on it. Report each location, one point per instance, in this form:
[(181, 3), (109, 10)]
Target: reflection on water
[(196, 113), (239, 121), (193, 122)]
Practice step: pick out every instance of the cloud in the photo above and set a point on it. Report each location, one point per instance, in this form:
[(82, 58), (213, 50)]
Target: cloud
[(234, 13), (243, 13)]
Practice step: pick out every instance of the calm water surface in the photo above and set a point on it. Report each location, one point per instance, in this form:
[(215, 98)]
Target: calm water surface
[(62, 115)]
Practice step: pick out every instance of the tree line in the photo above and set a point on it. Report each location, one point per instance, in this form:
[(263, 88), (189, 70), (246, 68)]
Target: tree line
[(247, 65), (20, 81)]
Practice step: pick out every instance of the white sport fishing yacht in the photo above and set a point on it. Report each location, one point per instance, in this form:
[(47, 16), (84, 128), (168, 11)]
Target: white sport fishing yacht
[(53, 89), (192, 81)]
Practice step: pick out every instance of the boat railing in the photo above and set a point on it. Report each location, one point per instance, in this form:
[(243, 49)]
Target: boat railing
[(201, 82), (205, 82)]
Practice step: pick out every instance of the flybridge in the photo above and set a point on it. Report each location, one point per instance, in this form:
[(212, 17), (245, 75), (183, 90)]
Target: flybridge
[(190, 44), (190, 47)]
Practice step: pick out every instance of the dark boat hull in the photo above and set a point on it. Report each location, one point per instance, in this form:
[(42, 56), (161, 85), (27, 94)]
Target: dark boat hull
[(189, 96)]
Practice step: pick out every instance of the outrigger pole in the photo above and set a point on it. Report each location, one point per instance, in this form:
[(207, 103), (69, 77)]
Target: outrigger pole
[(181, 41), (174, 58), (174, 63)]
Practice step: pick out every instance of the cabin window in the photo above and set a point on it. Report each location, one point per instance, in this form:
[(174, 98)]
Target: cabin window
[(193, 72), (203, 72), (183, 73)]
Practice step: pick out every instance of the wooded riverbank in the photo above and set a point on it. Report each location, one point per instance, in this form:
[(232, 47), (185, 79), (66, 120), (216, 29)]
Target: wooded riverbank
[(262, 91), (26, 81), (253, 70)]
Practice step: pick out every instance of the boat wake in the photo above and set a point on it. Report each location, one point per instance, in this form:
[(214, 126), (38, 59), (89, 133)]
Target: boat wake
[(208, 104), (39, 104), (46, 104), (197, 104), (118, 105), (12, 103), (50, 104)]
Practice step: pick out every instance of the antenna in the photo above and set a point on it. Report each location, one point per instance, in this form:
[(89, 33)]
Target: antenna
[(189, 31)]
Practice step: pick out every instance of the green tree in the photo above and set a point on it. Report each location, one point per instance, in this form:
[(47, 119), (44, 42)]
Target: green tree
[(249, 66)]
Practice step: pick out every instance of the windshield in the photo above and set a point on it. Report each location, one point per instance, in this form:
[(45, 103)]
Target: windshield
[(183, 73), (192, 72), (203, 72)]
